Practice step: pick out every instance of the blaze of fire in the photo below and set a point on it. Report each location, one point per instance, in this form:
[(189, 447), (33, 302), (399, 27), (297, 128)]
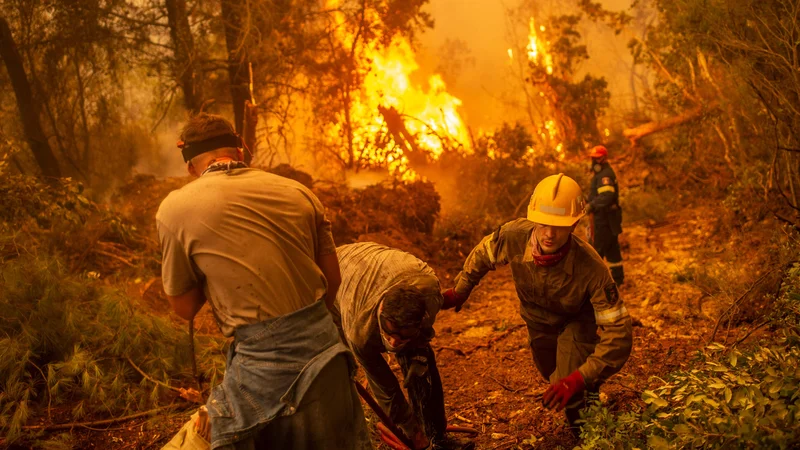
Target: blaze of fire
[(429, 114), (539, 55), (535, 48)]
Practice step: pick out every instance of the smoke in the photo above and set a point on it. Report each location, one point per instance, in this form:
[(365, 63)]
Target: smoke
[(162, 159), (490, 87)]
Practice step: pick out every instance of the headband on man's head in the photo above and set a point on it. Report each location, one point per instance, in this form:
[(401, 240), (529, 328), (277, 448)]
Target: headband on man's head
[(191, 149)]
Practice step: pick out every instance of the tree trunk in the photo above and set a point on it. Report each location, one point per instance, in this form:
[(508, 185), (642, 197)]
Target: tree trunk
[(28, 108), (238, 62), (186, 72), (634, 134)]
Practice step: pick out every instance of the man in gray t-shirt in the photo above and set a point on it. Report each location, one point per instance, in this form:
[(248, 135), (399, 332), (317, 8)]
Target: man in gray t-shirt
[(259, 249), (387, 302)]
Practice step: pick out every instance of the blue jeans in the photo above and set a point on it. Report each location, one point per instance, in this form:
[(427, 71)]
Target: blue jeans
[(271, 366)]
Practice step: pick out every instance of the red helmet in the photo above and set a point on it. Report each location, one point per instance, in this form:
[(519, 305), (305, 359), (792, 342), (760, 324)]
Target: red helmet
[(598, 152)]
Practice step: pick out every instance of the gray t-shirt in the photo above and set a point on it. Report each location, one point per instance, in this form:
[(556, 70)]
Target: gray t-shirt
[(251, 239)]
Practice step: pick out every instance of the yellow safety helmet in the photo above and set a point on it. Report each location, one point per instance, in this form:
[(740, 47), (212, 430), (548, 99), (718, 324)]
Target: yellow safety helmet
[(556, 201)]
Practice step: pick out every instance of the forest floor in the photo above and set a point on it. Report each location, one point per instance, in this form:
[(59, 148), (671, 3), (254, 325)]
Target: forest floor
[(680, 274)]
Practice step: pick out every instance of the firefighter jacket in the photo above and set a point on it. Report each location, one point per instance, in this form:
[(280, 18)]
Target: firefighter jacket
[(578, 288), (604, 199)]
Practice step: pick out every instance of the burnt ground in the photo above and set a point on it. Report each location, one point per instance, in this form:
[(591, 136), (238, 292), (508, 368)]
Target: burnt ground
[(680, 274)]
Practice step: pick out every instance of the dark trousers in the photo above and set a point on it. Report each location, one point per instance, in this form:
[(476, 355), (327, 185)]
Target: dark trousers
[(424, 386), (557, 352), (330, 416), (607, 245)]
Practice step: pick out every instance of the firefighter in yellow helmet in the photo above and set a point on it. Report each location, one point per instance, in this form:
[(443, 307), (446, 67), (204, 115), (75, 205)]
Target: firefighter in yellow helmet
[(579, 330)]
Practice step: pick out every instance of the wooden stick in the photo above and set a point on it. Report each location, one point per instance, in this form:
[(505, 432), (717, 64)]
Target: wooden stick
[(736, 303), (457, 350), (457, 429), (503, 385), (197, 377), (65, 426), (111, 255), (362, 391), (159, 383)]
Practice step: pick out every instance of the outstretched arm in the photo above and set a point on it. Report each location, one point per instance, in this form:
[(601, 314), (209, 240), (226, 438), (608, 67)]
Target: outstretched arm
[(486, 256)]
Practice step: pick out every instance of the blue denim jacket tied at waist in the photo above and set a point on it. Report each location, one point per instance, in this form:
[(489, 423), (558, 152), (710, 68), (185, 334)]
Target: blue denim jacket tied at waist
[(270, 367)]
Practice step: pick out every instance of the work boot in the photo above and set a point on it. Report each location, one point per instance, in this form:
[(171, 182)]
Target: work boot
[(573, 411), (573, 415)]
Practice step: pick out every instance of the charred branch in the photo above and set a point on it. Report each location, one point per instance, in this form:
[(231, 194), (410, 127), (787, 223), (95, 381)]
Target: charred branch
[(637, 133), (403, 138)]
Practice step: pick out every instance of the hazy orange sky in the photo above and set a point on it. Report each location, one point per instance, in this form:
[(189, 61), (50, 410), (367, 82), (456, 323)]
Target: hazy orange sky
[(487, 87)]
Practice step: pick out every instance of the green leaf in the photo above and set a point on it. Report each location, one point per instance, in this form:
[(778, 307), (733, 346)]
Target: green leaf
[(682, 429), (657, 443)]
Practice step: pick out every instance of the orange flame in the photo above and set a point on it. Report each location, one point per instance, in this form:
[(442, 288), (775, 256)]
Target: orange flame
[(539, 56), (429, 114)]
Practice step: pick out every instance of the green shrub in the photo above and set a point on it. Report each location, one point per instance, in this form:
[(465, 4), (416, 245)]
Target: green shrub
[(68, 341), (731, 398)]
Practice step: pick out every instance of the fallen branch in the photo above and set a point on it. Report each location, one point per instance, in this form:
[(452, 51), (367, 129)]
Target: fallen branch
[(457, 350), (111, 255), (736, 303), (624, 386), (186, 394), (66, 426), (636, 133), (462, 418), (457, 429), (787, 221), (503, 385), (152, 380), (752, 330)]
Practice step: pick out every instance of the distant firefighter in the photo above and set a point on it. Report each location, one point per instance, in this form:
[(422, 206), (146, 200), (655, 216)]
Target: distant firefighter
[(578, 327), (604, 206)]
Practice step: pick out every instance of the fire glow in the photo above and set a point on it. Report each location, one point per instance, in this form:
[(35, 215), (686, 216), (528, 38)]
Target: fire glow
[(429, 115)]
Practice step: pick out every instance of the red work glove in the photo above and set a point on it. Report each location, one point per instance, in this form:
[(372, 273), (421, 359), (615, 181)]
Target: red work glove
[(557, 395), (453, 299)]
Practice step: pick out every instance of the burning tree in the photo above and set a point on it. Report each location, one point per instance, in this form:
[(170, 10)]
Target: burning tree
[(562, 111), (368, 112)]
